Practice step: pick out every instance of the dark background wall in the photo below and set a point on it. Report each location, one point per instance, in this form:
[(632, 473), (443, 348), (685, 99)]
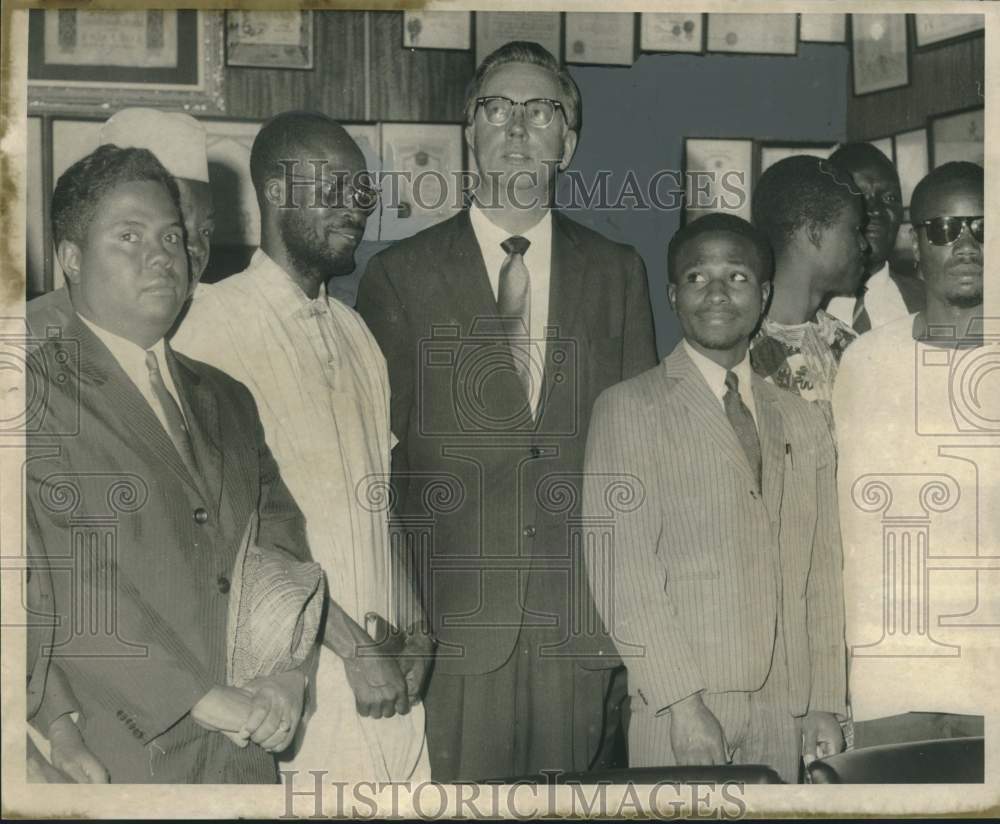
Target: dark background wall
[(637, 118)]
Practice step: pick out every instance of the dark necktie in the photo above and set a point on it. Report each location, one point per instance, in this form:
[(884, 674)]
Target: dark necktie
[(742, 421), (861, 322), (176, 428), (514, 305)]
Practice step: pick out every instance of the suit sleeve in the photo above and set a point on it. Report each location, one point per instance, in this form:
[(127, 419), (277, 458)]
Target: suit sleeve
[(825, 590), (49, 693), (630, 594), (639, 344), (382, 309)]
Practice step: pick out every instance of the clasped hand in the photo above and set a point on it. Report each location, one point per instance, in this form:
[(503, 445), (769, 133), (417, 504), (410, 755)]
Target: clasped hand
[(266, 711)]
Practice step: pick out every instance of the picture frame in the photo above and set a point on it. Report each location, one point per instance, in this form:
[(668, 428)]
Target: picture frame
[(774, 34), (447, 30), (37, 234), (494, 28), (162, 58), (912, 161), (770, 152), (884, 145), (269, 39), (667, 32), (880, 58), (957, 135), (599, 38), (432, 155), (934, 29), (822, 28), (729, 166)]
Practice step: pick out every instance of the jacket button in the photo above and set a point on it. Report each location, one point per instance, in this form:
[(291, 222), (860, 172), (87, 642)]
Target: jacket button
[(223, 583), (200, 515), (528, 531), (536, 452)]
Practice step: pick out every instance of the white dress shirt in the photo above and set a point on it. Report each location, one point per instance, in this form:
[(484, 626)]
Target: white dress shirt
[(882, 300), (538, 259), (132, 359), (715, 377)]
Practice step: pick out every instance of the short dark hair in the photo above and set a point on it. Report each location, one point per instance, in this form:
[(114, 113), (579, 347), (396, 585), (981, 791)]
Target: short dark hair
[(720, 222), (280, 138), (82, 186), (947, 176), (853, 156), (524, 51), (798, 191)]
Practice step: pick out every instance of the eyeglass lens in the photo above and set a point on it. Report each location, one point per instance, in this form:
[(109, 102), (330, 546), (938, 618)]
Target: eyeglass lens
[(536, 112), (942, 231)]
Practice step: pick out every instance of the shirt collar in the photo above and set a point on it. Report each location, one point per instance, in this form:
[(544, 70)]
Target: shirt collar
[(281, 292), (125, 351), (715, 375), (490, 236)]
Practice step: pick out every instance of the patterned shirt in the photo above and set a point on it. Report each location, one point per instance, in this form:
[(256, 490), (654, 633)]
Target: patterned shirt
[(802, 357)]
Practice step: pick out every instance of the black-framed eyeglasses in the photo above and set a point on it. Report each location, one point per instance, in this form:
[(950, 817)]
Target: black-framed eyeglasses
[(337, 192), (538, 111), (945, 230)]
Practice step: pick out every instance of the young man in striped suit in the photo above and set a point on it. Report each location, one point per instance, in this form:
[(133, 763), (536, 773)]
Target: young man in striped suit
[(724, 594)]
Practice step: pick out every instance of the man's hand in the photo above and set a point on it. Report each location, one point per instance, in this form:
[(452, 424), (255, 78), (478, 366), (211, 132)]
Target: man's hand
[(821, 736), (696, 736), (71, 755), (379, 687), (224, 709), (414, 661), (277, 709)]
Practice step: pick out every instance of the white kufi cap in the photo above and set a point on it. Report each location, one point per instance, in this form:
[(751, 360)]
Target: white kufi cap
[(176, 139)]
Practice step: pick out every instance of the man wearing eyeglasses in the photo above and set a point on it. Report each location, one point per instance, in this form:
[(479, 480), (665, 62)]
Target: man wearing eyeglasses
[(885, 294), (912, 400), (501, 326), (322, 388)]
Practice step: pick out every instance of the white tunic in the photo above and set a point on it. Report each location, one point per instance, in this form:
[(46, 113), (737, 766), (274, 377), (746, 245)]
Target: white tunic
[(919, 484), (322, 391)]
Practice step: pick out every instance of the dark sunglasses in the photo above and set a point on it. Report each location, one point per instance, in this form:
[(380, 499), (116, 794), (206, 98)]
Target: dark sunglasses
[(943, 231)]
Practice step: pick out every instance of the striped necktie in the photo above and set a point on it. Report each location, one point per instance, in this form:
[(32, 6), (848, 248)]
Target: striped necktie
[(176, 428), (743, 424), (514, 306)]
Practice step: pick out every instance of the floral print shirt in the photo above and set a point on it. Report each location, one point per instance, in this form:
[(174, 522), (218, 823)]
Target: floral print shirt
[(802, 357)]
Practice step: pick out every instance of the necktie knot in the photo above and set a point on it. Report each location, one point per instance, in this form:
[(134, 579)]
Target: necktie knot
[(515, 245), (732, 381)]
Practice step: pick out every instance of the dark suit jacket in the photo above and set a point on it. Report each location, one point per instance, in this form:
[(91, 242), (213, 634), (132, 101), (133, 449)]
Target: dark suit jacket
[(140, 553), (704, 566), (492, 494)]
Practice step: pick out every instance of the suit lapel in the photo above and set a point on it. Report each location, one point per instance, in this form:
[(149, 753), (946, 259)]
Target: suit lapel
[(201, 409), (772, 447), (567, 276), (465, 272), (707, 410), (99, 368)]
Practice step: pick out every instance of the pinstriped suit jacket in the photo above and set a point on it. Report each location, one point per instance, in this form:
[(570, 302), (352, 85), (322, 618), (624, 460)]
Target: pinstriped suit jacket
[(701, 568), (141, 552)]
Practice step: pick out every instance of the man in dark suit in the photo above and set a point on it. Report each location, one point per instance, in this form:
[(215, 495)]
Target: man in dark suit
[(726, 573), (500, 327), (885, 294), (145, 473)]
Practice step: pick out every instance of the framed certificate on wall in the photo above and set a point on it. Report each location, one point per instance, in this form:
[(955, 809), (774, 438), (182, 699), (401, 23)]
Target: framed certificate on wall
[(880, 58), (437, 30), (82, 61), (753, 33), (494, 28), (665, 32), (718, 175), (600, 38)]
